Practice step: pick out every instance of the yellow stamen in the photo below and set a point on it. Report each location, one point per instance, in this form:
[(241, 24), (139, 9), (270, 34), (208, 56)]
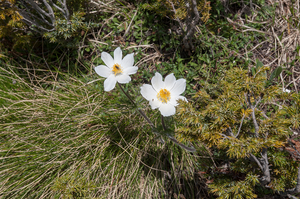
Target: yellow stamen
[(116, 69), (164, 95)]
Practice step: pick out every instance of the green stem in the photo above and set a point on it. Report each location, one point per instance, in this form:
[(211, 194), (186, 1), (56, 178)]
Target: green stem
[(163, 123), (140, 111), (190, 149)]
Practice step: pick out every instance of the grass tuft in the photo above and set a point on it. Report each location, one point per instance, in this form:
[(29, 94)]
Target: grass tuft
[(67, 139)]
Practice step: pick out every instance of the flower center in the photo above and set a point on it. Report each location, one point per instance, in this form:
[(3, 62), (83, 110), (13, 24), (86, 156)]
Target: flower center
[(164, 95), (116, 69)]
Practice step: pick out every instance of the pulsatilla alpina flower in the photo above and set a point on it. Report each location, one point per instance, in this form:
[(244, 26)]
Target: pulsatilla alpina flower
[(164, 94), (116, 69)]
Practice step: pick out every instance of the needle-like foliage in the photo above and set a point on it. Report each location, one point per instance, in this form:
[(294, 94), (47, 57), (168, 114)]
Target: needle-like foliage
[(249, 119)]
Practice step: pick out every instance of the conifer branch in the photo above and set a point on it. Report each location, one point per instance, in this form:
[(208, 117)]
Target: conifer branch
[(176, 19), (263, 164), (225, 136), (63, 9), (266, 168), (253, 107), (230, 132), (31, 21), (241, 124), (44, 18), (254, 121), (190, 149), (254, 158)]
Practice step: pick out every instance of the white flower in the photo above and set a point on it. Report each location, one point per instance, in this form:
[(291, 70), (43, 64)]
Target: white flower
[(116, 69), (286, 90), (164, 95)]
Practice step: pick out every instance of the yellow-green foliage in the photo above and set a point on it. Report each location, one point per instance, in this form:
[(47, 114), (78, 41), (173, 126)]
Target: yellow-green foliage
[(8, 10), (224, 106), (11, 25), (165, 8), (221, 117), (241, 189), (72, 186)]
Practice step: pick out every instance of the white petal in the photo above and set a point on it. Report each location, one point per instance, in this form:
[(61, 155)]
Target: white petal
[(118, 55), (167, 109), (148, 92), (123, 79), (127, 61), (182, 98), (178, 88), (103, 71), (157, 82), (170, 81), (130, 70), (107, 59), (110, 83), (174, 100), (155, 103)]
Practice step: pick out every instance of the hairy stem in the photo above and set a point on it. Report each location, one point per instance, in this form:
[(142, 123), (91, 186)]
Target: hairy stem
[(140, 111), (190, 149), (163, 123)]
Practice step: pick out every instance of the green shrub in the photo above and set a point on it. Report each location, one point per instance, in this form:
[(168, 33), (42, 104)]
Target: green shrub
[(248, 119), (11, 26)]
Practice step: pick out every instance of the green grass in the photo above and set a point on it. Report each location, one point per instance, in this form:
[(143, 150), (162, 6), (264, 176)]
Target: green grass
[(66, 138)]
